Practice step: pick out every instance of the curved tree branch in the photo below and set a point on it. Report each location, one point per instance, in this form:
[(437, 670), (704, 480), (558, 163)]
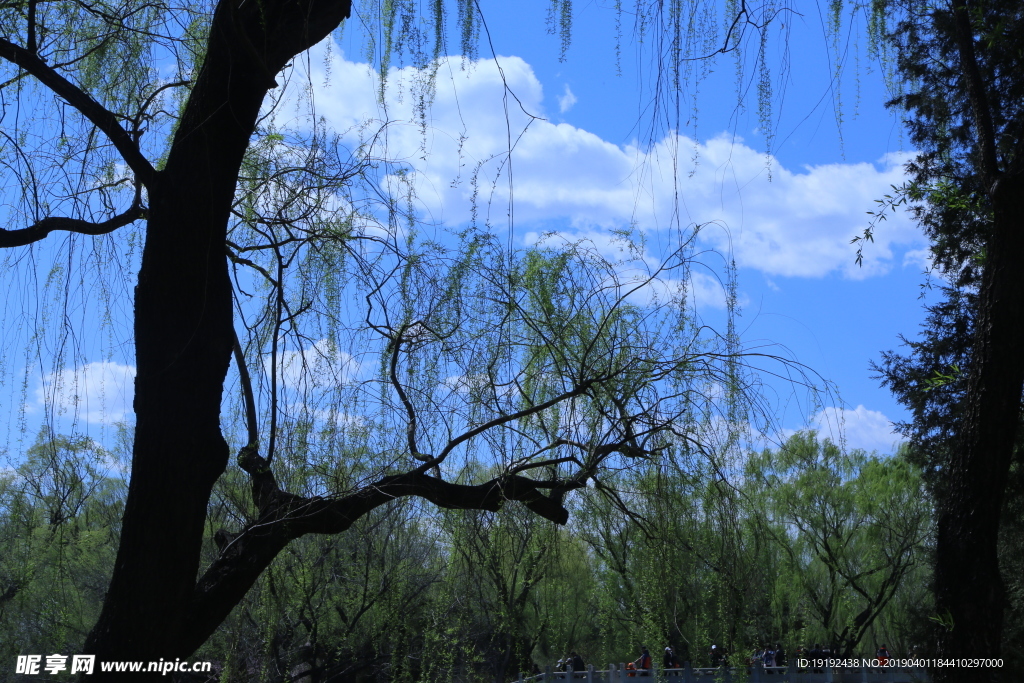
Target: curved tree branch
[(285, 517), (102, 118), (251, 424), (410, 411), (38, 231)]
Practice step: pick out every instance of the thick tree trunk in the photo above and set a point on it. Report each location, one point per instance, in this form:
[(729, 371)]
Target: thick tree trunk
[(183, 327), (969, 589)]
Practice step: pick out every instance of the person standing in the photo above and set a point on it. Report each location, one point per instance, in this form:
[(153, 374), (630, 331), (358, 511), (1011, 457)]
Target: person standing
[(644, 662), (768, 657), (816, 657), (780, 655)]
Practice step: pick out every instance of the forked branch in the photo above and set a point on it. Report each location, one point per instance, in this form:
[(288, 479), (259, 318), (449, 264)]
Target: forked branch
[(285, 517), (101, 117)]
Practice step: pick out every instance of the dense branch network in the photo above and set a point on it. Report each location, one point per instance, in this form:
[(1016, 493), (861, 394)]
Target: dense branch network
[(106, 121), (100, 117), (597, 386), (283, 516), (605, 370)]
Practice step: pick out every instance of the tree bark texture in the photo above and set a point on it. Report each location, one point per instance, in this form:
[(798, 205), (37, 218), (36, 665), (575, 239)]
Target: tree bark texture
[(183, 327), (969, 589)]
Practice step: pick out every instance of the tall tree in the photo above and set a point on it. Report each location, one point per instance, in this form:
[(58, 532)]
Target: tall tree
[(58, 523), (852, 527), (566, 364), (962, 64)]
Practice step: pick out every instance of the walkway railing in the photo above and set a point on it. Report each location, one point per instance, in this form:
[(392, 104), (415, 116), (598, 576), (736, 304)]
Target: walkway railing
[(748, 674)]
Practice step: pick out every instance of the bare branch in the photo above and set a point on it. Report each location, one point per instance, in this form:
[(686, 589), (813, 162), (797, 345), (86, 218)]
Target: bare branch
[(578, 390), (247, 393), (246, 262), (410, 430), (544, 463), (32, 45), (102, 118), (38, 231), (285, 517)]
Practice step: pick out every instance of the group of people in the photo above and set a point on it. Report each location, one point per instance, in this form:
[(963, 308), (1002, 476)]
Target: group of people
[(718, 656), (818, 657), (768, 656), (570, 663), (643, 664)]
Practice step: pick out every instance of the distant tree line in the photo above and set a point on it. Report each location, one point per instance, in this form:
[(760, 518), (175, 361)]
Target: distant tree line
[(801, 544)]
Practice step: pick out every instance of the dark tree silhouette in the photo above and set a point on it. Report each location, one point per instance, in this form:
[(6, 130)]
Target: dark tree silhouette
[(583, 342), (962, 63)]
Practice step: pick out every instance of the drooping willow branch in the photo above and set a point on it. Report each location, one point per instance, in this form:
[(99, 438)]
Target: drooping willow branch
[(101, 117)]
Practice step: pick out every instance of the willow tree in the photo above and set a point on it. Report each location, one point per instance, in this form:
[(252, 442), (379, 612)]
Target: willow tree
[(146, 122), (852, 528)]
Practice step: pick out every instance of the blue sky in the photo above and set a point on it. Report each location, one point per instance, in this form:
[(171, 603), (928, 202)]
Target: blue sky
[(594, 162), (592, 165)]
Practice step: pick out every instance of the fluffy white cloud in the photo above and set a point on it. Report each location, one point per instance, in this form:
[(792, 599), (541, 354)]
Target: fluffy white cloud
[(638, 272), (780, 221), (99, 392), (862, 428)]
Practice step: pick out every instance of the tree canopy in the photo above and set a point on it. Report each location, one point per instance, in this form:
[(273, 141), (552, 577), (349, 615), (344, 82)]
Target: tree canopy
[(411, 593), (961, 65), (379, 360), (291, 307)]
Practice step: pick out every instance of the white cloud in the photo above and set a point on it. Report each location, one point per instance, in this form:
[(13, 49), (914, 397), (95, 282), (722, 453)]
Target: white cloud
[(702, 291), (635, 264), (780, 221), (567, 100), (99, 392), (920, 259), (863, 428), (318, 365), (707, 290)]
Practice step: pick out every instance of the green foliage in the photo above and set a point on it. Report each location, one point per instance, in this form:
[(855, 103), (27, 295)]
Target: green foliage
[(408, 594), (382, 346), (60, 513), (953, 204), (854, 528)]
